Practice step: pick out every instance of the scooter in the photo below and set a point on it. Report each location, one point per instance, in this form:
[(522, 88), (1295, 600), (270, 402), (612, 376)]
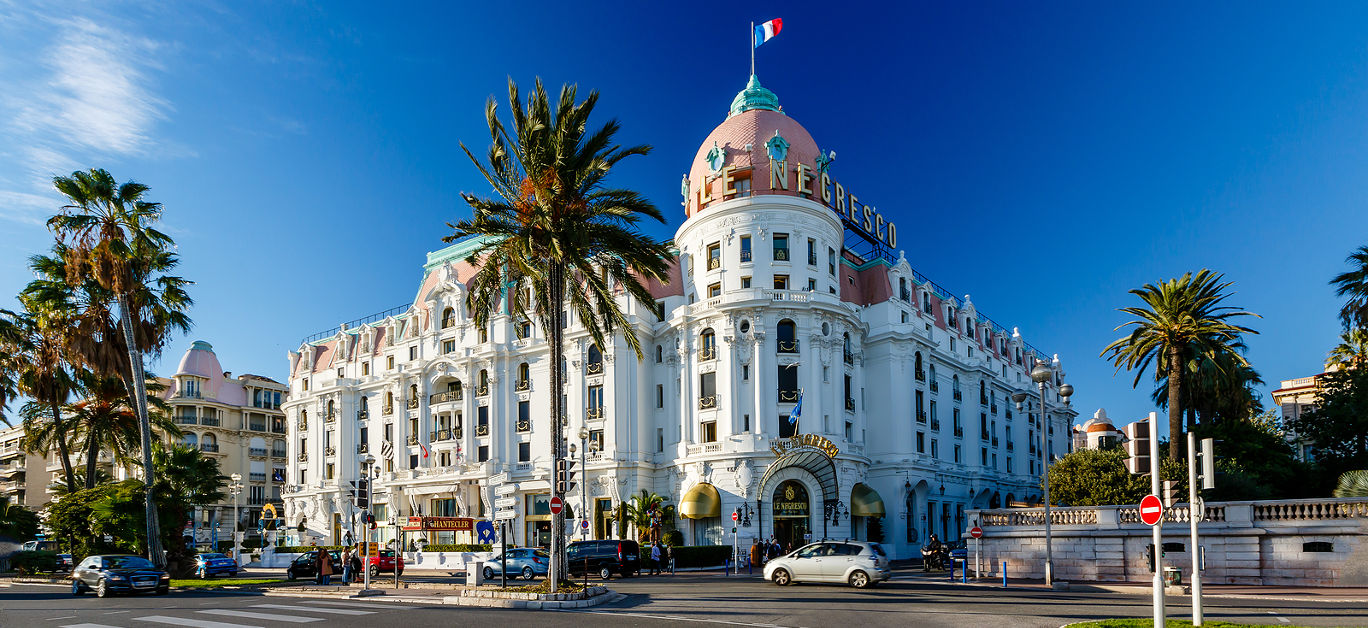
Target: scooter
[(935, 558)]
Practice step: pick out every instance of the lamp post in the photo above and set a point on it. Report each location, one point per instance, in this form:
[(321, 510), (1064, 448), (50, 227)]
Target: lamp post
[(1042, 374), (584, 477), (369, 461), (235, 489)]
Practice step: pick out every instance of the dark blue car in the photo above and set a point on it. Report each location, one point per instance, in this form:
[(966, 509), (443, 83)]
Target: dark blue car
[(209, 565), (118, 573)]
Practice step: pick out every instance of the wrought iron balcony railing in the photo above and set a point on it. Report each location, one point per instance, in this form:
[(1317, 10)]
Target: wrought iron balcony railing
[(444, 397), (522, 385), (413, 403), (594, 414), (707, 353), (788, 396), (482, 430), (362, 448), (523, 426), (707, 402), (413, 439), (593, 368), (850, 405), (788, 346)]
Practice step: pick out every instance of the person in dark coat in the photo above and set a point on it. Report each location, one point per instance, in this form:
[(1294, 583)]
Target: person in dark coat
[(324, 567)]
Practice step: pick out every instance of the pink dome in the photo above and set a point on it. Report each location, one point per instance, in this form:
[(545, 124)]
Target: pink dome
[(752, 123), (200, 360)]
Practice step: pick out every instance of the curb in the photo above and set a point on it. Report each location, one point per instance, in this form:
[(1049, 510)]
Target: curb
[(457, 600), (1171, 591)]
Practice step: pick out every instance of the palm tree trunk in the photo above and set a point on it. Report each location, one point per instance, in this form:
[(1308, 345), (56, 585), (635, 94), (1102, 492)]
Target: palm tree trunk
[(1175, 406), (62, 450), (139, 385), (92, 453), (556, 299)]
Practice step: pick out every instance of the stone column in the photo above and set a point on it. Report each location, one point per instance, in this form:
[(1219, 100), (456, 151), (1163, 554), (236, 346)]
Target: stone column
[(760, 365)]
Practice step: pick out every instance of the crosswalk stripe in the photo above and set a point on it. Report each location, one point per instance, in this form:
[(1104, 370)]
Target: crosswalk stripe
[(294, 619), (88, 626), (356, 604), (311, 609), (192, 623)]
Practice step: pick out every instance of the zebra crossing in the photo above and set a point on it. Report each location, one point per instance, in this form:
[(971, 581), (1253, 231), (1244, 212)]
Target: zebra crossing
[(302, 612)]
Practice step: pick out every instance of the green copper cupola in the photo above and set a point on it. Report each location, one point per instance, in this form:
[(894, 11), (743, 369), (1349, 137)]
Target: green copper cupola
[(754, 96)]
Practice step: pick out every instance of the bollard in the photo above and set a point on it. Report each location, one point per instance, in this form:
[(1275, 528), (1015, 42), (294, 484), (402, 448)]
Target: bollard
[(726, 566), (1004, 574), (952, 571), (964, 571)]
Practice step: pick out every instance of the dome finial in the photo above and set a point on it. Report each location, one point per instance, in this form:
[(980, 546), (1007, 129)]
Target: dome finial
[(755, 96)]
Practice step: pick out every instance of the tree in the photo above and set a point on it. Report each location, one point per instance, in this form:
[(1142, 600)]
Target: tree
[(33, 352), (1095, 477), (1353, 484), (104, 420), (1182, 320), (1351, 352), (555, 236), (16, 521), (1338, 425), (1216, 391), (1256, 462), (647, 512), (1353, 283), (186, 478), (107, 232)]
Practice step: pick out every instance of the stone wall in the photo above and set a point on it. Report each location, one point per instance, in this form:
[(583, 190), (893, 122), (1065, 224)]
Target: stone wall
[(1296, 542)]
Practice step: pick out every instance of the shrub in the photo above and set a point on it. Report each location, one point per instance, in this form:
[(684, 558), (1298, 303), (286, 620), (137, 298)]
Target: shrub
[(692, 555), (457, 547), (300, 549), (34, 561)]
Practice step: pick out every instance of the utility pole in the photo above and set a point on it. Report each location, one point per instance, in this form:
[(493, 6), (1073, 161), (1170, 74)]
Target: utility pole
[(1158, 535)]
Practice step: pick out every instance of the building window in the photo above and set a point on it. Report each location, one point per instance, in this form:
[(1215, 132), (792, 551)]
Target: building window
[(482, 454), (957, 453), (812, 285), (448, 346), (745, 372), (365, 368), (745, 282), (660, 395), (715, 256), (524, 416), (306, 384), (595, 409), (708, 433), (935, 449), (745, 249), (484, 335), (524, 452), (745, 422), (831, 261), (921, 442), (594, 363), (708, 340), (448, 317), (714, 290), (660, 440), (812, 252), (389, 362), (329, 471), (787, 336), (413, 352), (523, 330), (781, 250), (781, 282), (786, 429), (707, 391), (660, 354)]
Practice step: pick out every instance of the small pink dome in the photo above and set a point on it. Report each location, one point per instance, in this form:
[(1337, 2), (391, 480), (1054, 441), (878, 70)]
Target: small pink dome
[(200, 360)]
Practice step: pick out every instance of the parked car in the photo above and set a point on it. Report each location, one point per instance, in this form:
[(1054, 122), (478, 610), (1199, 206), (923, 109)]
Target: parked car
[(603, 558), (63, 562), (527, 562), (108, 574), (383, 561), (209, 565), (303, 566), (856, 562), (959, 550)]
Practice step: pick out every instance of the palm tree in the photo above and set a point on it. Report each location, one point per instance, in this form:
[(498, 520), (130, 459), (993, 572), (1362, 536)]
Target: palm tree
[(106, 231), (1182, 320), (1354, 284), (186, 478), (1215, 390), (33, 356), (642, 510), (104, 420), (554, 230), (1351, 352)]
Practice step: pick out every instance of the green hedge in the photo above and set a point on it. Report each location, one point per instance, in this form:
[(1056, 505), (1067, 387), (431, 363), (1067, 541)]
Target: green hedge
[(300, 549), (34, 561), (457, 547), (692, 555)]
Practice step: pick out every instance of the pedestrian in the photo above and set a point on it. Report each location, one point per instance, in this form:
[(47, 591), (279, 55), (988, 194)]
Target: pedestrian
[(356, 566), (347, 566), (325, 567), (669, 557), (655, 558)]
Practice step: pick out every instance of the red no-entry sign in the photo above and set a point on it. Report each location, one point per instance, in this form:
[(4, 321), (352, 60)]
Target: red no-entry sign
[(976, 532), (1151, 510), (556, 505), (736, 516)]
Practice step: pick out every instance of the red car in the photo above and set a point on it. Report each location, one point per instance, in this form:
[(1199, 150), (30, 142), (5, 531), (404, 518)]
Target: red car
[(385, 561)]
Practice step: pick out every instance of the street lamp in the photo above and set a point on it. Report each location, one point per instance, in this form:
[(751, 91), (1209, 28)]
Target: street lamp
[(235, 489), (369, 461), (1042, 374), (584, 477)]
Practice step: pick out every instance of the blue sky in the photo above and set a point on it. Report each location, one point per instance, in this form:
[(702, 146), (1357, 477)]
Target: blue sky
[(1045, 158)]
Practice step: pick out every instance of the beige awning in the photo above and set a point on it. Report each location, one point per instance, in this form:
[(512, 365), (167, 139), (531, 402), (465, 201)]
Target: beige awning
[(701, 502), (865, 502)]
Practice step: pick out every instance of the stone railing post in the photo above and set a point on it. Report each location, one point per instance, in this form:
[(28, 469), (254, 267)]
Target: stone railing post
[(1108, 517), (1239, 514)]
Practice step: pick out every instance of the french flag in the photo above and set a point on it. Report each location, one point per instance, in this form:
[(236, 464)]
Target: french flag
[(766, 31), (424, 448)]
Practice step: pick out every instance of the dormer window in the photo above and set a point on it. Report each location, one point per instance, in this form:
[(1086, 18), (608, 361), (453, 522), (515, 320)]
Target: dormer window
[(448, 317), (190, 387)]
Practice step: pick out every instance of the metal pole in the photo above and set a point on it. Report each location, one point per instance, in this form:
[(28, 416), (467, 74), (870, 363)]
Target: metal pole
[(365, 567), (1195, 513), (1158, 536), (1045, 482), (584, 486)]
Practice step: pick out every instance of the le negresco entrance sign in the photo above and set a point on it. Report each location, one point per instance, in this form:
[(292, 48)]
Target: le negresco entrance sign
[(799, 442)]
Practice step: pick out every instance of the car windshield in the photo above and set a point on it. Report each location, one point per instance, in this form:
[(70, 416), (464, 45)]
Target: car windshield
[(212, 556), (127, 562), (809, 551)]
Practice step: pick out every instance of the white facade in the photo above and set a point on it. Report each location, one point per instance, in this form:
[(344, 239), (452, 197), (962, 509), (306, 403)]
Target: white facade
[(907, 385)]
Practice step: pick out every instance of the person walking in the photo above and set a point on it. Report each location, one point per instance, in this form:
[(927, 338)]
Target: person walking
[(669, 557), (347, 566), (655, 558), (324, 567)]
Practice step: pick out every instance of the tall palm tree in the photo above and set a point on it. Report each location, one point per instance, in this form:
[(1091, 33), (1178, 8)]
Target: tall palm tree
[(1353, 283), (106, 229), (187, 478), (33, 354), (1215, 390), (1182, 320), (555, 229), (1351, 352), (104, 420)]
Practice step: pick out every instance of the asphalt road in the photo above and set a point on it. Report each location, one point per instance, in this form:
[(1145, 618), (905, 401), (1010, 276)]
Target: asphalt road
[(690, 600)]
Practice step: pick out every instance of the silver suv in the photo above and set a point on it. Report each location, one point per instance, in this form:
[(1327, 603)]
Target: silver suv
[(859, 563)]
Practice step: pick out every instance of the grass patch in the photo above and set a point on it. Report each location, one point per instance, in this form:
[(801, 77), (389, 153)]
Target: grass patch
[(544, 586), (1147, 622), (216, 583)]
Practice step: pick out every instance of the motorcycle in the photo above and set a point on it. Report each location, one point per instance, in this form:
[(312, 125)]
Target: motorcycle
[(936, 558)]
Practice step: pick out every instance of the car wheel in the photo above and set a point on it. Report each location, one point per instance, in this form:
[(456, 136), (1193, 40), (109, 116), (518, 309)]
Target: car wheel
[(76, 587), (859, 580), (101, 588), (605, 573), (528, 574), (488, 573), (374, 570), (203, 574), (289, 575), (164, 590), (782, 578)]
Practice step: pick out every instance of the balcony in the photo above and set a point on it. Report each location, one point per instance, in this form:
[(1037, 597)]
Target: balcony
[(707, 402), (921, 416), (482, 429), (594, 414), (522, 385), (212, 421), (331, 418), (983, 435), (745, 256), (440, 435), (256, 451), (593, 368), (993, 408), (302, 425), (456, 432), (983, 400), (256, 477), (788, 346), (413, 439), (330, 451), (186, 419), (303, 457), (788, 396), (850, 405), (362, 448), (259, 426), (523, 426), (995, 441), (445, 397), (209, 447), (1009, 446), (781, 255), (850, 358), (935, 386), (935, 424), (707, 353), (921, 375), (278, 453), (714, 263), (362, 415), (1009, 414), (189, 394), (387, 409), (959, 431), (959, 396), (413, 403), (482, 390), (277, 426)]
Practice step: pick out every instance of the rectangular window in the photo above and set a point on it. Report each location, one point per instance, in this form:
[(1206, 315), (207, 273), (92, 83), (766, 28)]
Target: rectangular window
[(745, 249), (389, 363), (921, 442), (707, 390), (714, 290), (482, 417), (812, 252), (596, 402), (781, 282), (524, 416), (329, 471), (957, 453), (660, 311), (745, 282), (484, 335), (482, 454), (745, 372), (524, 452), (389, 431), (786, 429), (708, 434), (660, 439), (413, 353), (715, 256), (935, 449), (831, 261), (448, 346), (660, 395), (745, 422), (340, 372), (781, 250), (596, 439), (921, 408), (812, 285), (983, 456), (365, 368)]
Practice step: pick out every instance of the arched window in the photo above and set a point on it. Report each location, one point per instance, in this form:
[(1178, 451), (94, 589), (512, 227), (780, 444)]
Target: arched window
[(983, 392), (413, 394), (594, 364), (934, 385), (482, 383), (911, 505), (448, 317), (389, 401), (708, 341), (332, 409), (918, 366), (788, 336), (524, 376), (926, 302), (660, 354), (191, 439), (954, 383), (303, 416)]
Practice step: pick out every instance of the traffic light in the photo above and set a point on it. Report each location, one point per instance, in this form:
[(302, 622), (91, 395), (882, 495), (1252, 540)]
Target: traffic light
[(1149, 556), (565, 476), (363, 493), (1171, 495), (369, 520)]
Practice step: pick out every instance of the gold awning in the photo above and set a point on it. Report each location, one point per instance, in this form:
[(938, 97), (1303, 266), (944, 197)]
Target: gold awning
[(701, 502), (865, 502)]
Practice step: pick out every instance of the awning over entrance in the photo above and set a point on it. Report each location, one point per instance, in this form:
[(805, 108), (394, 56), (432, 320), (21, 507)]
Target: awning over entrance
[(701, 502), (865, 502), (809, 459)]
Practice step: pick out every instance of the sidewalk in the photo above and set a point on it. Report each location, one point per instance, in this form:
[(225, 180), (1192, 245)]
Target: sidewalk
[(1357, 595)]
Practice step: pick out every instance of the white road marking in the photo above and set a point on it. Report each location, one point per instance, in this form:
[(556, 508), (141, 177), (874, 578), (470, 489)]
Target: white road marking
[(1280, 618), (62, 617), (117, 612), (356, 604), (294, 619), (333, 611), (678, 618), (88, 626), (192, 623)]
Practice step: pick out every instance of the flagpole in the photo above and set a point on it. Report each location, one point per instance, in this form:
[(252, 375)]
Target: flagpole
[(752, 51)]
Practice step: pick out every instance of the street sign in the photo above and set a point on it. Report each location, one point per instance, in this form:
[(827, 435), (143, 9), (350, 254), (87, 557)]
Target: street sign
[(556, 505), (976, 532), (505, 502), (736, 516), (1151, 510), (505, 489), (501, 478), (584, 523), (504, 515)]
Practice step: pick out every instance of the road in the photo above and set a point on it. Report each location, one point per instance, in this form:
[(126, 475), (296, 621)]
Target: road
[(683, 600)]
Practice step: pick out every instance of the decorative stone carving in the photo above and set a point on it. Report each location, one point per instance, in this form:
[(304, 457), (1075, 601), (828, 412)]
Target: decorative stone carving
[(745, 475)]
